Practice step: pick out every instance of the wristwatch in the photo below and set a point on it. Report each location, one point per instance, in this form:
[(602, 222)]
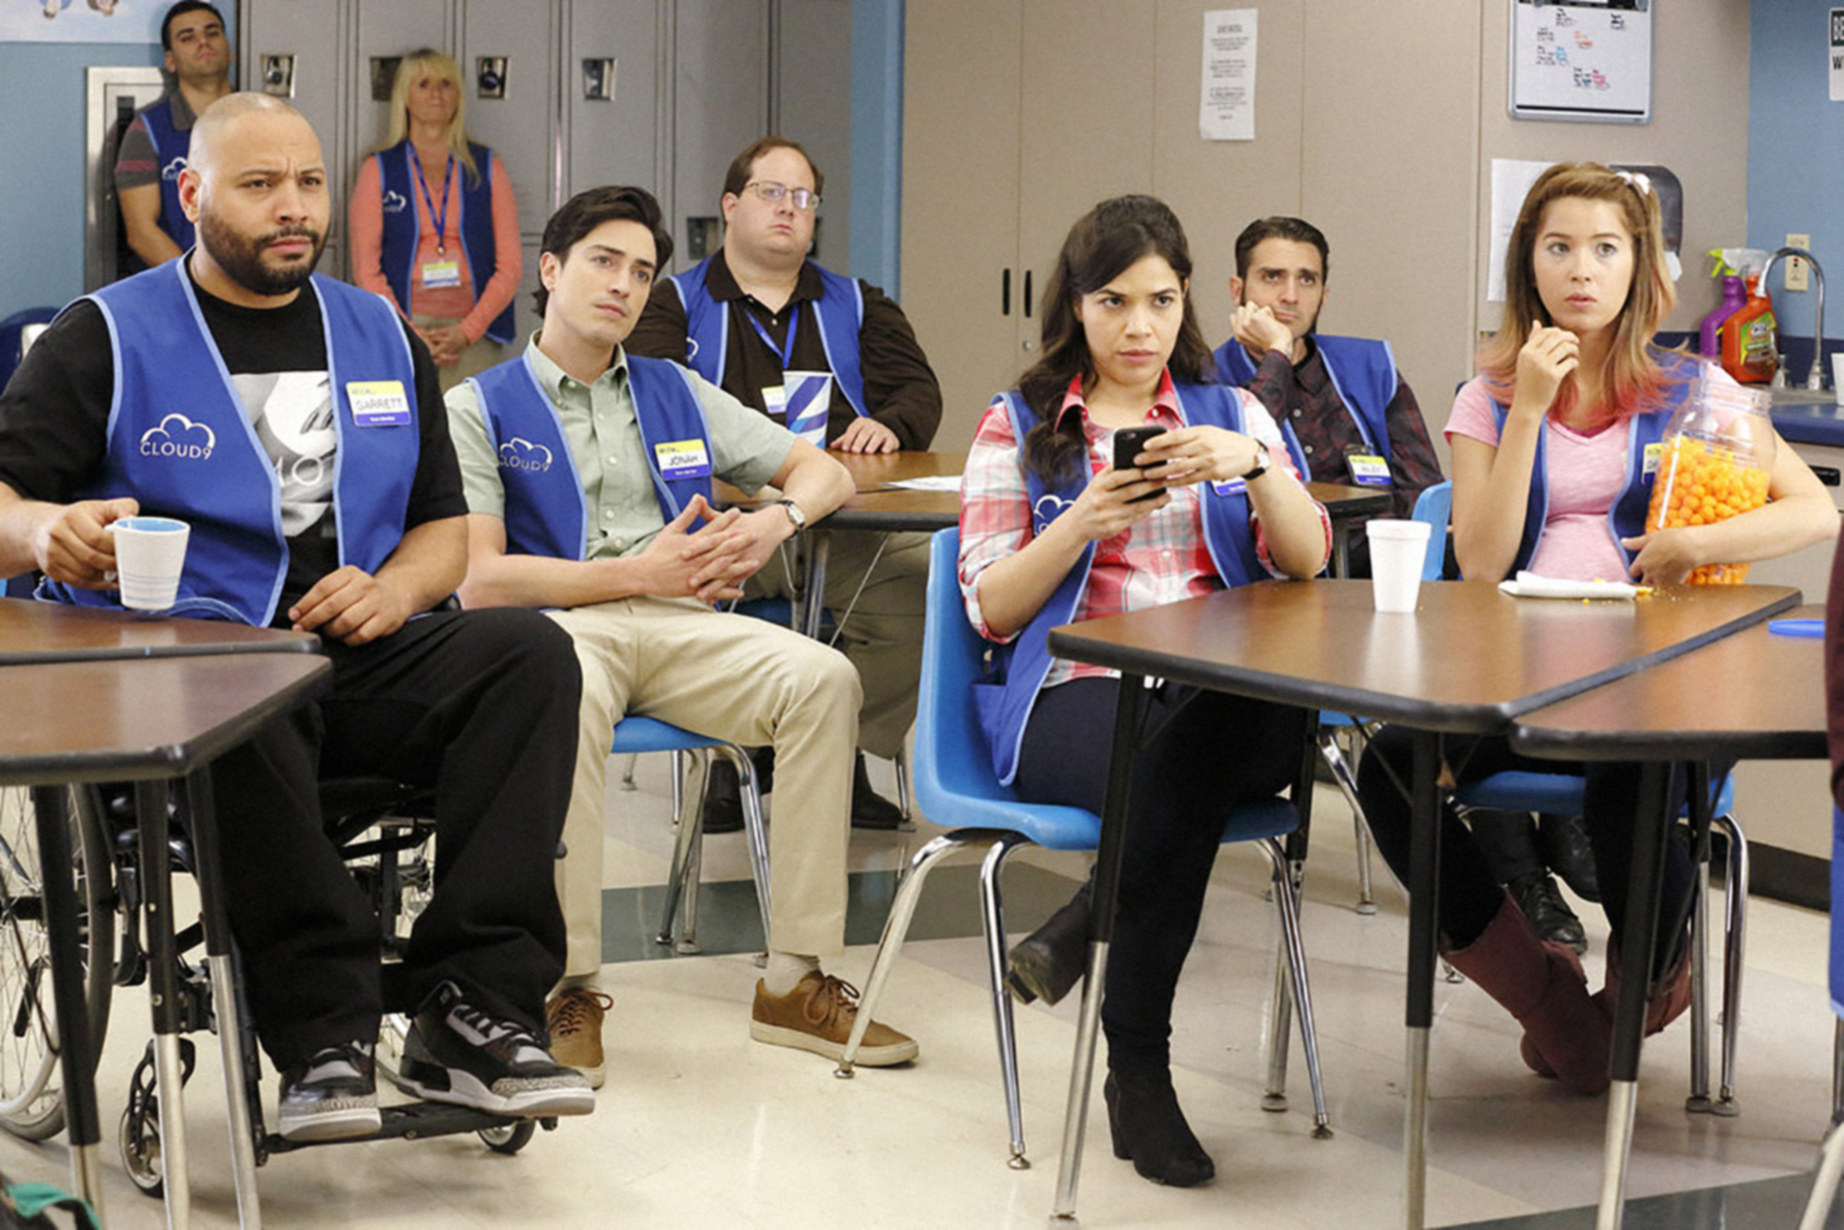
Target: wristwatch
[(795, 515), (1261, 463)]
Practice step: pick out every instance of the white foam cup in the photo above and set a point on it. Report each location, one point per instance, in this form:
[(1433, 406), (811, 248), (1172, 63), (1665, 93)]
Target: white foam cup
[(1397, 551), (150, 555)]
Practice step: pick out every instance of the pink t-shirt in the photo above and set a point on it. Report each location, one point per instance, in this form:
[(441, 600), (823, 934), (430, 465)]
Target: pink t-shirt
[(1586, 474)]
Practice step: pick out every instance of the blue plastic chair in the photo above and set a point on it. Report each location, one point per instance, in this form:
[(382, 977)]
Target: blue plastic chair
[(1433, 505), (1562, 794), (635, 735), (957, 788)]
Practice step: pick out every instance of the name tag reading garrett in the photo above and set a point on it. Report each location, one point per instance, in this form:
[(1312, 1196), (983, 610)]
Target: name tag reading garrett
[(682, 459), (1368, 469), (378, 403)]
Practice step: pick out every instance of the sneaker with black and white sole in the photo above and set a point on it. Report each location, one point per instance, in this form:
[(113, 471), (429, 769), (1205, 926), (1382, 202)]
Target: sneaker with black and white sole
[(458, 1053), (332, 1096)]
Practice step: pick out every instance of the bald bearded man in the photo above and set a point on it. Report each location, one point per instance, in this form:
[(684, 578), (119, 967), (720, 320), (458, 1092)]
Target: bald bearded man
[(298, 426)]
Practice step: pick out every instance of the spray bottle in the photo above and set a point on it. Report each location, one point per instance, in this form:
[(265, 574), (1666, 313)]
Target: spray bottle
[(1734, 296), (1750, 342)]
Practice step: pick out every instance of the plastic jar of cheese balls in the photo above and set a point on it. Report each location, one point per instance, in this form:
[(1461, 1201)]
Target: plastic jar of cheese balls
[(1713, 463)]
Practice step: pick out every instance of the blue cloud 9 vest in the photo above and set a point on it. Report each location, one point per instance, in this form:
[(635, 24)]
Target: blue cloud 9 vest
[(547, 512), (1627, 517), (180, 443), (1005, 700), (402, 231), (170, 149), (1363, 371), (841, 316)]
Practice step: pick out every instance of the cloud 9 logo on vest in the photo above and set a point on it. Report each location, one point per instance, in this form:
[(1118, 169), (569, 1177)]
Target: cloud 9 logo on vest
[(394, 202), (180, 438), (517, 454), (171, 171), (1047, 509)]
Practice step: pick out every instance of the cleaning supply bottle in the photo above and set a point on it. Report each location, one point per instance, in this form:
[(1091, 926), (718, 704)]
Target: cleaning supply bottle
[(1750, 342), (1734, 295)]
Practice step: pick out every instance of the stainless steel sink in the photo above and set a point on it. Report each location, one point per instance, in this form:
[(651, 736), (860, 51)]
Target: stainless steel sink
[(1801, 397)]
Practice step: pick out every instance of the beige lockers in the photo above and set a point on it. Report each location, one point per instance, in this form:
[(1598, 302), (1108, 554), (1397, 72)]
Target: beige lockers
[(1376, 120)]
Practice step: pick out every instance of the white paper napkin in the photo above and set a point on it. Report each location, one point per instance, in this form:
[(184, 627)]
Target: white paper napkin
[(1530, 585)]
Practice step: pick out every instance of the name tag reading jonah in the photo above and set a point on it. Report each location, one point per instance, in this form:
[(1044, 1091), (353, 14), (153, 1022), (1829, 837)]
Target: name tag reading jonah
[(682, 459), (1368, 469), (440, 275), (378, 403), (775, 400)]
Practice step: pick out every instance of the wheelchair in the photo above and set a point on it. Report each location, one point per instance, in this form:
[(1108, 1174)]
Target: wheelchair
[(385, 833)]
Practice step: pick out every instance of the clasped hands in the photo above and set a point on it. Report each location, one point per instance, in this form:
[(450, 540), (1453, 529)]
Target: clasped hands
[(711, 562)]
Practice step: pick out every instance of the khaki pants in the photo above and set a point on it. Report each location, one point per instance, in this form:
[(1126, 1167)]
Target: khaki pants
[(883, 636), (734, 678)]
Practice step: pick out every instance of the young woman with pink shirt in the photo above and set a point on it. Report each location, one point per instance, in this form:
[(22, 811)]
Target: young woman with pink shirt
[(1550, 475)]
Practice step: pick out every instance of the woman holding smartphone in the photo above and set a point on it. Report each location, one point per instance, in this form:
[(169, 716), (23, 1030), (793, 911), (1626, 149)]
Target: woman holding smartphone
[(1552, 473), (1053, 530)]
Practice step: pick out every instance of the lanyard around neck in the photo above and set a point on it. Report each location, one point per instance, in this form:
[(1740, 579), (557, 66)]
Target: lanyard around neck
[(422, 182), (785, 351)]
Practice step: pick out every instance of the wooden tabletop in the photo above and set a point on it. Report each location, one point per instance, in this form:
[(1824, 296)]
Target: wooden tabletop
[(879, 506), (1755, 695), (55, 632), (1342, 502), (161, 717), (1468, 659)]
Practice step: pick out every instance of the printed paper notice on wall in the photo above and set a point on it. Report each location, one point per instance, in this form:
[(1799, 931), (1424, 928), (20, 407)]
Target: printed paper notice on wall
[(1837, 55), (1226, 101)]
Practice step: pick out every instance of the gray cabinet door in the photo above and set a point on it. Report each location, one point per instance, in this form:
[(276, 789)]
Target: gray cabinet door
[(522, 126), (614, 140), (720, 100)]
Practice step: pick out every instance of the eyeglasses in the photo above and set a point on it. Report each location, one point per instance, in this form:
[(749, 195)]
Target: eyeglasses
[(772, 192)]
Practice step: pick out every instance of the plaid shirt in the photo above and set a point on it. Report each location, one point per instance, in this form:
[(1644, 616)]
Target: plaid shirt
[(1161, 559)]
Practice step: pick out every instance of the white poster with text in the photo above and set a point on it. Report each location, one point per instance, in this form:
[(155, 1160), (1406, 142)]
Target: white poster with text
[(1226, 104)]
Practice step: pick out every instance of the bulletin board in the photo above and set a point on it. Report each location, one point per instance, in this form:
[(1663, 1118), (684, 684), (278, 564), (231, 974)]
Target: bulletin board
[(1582, 60)]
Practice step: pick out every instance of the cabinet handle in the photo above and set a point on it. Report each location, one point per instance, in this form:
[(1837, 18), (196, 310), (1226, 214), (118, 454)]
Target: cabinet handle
[(1005, 293), (1027, 294)]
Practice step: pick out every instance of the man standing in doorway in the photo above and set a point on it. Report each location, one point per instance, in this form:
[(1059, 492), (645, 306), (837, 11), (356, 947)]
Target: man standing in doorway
[(762, 321), (153, 150)]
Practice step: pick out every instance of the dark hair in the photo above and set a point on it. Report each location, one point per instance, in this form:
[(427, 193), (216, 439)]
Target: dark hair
[(180, 10), (585, 211), (1296, 229), (1101, 245), (741, 167)]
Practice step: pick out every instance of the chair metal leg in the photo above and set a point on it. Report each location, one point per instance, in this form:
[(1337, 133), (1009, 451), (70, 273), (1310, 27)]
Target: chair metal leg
[(1734, 949), (755, 829), (1280, 1033), (896, 926), (627, 774), (678, 787), (1335, 760), (682, 876), (901, 764), (1825, 1186), (1287, 898), (1699, 1100), (1837, 1073), (992, 923)]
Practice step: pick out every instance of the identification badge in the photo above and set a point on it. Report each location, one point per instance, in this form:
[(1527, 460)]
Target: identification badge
[(682, 459), (1235, 486), (775, 399), (1649, 464), (1368, 469), (378, 403), (440, 275)]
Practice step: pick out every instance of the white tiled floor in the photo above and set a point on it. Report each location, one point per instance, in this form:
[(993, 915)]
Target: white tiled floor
[(698, 1126)]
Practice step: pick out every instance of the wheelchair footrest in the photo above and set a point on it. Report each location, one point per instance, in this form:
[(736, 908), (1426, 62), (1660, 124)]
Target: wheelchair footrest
[(411, 1121)]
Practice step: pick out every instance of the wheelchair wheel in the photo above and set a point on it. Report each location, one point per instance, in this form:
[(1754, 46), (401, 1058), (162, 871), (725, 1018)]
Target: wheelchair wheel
[(405, 883), (31, 1094), (509, 1139)]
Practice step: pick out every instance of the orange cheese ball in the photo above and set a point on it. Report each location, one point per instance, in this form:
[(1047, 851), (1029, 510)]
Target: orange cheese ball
[(1700, 485)]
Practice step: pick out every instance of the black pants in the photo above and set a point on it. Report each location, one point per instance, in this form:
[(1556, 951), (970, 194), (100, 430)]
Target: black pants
[(1470, 895), (1201, 754), (483, 706)]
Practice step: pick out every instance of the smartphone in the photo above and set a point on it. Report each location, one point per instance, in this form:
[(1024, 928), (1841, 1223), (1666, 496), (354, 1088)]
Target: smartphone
[(1130, 442)]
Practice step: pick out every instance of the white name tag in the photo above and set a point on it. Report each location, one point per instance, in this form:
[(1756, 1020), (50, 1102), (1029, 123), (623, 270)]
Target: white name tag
[(775, 398), (1368, 469), (682, 459), (378, 403), (440, 275)]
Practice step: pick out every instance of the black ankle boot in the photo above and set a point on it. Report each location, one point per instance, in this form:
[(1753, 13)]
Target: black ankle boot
[(1053, 958), (1150, 1129)]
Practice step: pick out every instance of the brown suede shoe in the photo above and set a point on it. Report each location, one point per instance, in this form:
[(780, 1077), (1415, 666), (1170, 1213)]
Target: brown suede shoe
[(817, 1016), (574, 1018)]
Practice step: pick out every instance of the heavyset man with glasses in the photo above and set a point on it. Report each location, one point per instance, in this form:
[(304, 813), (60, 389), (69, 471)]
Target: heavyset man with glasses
[(759, 312)]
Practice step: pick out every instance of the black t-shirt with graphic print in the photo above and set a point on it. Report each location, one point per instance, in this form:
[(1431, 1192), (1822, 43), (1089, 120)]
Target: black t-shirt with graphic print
[(54, 417)]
